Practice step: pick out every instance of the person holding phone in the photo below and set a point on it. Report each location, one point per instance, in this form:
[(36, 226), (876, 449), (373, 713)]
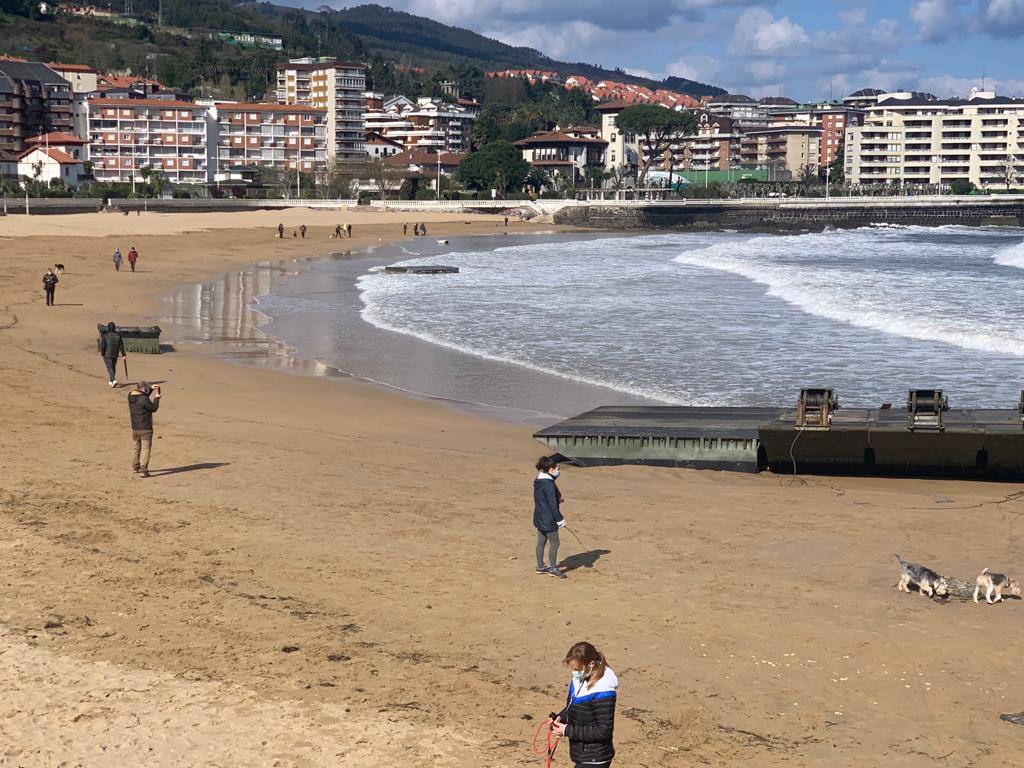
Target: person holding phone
[(588, 718), (143, 402)]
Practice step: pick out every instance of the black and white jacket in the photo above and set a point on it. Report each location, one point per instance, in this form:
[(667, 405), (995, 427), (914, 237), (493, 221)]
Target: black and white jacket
[(590, 716)]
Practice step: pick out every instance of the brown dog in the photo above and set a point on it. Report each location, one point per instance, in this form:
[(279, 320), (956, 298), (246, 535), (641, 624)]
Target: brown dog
[(994, 584)]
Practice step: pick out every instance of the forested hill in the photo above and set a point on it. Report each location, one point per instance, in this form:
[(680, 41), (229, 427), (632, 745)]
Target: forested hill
[(165, 39)]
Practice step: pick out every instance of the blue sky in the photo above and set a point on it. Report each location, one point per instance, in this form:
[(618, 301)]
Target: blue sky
[(802, 48)]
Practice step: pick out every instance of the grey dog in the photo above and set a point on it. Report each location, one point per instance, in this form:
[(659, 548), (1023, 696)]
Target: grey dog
[(928, 582)]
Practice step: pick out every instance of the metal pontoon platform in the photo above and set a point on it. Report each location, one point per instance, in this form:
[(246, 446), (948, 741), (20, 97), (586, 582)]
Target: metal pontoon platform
[(965, 442), (422, 269)]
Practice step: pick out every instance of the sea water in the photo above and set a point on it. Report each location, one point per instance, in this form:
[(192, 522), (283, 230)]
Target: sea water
[(718, 318)]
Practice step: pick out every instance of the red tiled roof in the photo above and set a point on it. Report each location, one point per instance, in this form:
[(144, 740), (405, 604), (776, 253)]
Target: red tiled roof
[(611, 106), (127, 81), (420, 157), (59, 155), (557, 137), (57, 138), (144, 103), (71, 67)]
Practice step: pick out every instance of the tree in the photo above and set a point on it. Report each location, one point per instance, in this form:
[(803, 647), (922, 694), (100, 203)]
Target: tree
[(497, 165), (537, 179), (1009, 172), (837, 169), (807, 175), (961, 187), (383, 176), (657, 128)]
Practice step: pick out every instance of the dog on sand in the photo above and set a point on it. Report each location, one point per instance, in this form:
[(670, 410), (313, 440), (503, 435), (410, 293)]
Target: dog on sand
[(928, 582), (994, 584)]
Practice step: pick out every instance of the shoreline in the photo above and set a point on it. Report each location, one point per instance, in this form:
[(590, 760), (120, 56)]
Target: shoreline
[(386, 543)]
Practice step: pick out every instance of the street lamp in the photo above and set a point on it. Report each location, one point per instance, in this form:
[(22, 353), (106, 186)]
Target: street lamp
[(438, 175), (828, 173)]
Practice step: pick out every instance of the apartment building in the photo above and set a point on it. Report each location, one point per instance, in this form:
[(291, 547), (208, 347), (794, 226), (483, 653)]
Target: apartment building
[(908, 140), (129, 135), (288, 137), (33, 100), (425, 124), (335, 86), (833, 119), (784, 150), (622, 153), (81, 77)]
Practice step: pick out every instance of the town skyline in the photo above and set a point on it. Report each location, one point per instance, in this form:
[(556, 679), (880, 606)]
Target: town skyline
[(799, 48)]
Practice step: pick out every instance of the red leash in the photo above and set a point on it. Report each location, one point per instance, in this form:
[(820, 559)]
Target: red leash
[(551, 744)]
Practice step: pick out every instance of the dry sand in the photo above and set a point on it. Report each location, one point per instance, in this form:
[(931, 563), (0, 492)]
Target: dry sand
[(752, 620)]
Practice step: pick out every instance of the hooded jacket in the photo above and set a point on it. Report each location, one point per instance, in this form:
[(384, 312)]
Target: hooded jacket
[(113, 345), (546, 501), (590, 716), (142, 408), (50, 281)]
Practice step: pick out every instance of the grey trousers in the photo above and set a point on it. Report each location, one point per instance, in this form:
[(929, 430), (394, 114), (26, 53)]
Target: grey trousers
[(550, 538), (143, 440), (111, 368)]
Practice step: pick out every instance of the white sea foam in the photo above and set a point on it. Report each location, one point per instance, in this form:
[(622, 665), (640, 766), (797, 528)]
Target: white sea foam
[(1010, 256)]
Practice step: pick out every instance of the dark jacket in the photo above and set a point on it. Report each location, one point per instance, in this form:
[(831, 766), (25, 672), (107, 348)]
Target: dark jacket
[(50, 281), (546, 501), (590, 717), (113, 345), (142, 409)]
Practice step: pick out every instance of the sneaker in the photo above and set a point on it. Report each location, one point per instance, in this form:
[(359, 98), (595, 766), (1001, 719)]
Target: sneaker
[(145, 473), (136, 468), (541, 569), (111, 383), (553, 571)]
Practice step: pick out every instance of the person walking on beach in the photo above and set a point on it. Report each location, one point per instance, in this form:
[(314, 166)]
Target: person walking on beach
[(348, 229), (112, 345), (423, 230), (302, 229), (547, 518), (280, 231), (588, 718), (337, 232), (405, 230), (133, 256), (143, 402), (50, 286), (117, 259)]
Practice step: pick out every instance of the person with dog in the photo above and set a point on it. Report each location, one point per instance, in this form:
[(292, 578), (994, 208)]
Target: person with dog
[(588, 718), (133, 256), (50, 281), (111, 345), (547, 515), (143, 402)]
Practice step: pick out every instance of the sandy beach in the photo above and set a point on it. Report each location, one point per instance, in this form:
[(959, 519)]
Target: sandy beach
[(323, 572)]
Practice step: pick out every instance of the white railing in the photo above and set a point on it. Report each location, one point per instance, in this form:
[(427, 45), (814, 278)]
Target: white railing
[(211, 203), (447, 205)]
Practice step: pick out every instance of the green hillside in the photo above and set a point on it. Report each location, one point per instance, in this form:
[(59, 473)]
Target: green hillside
[(166, 39)]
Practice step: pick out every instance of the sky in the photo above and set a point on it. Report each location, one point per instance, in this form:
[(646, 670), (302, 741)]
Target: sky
[(805, 49)]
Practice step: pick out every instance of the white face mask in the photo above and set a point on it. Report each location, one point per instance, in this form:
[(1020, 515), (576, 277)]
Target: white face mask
[(579, 676), (555, 473)]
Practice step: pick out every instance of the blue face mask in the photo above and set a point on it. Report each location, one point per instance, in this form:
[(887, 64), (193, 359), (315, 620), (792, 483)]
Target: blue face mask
[(579, 676), (555, 473)]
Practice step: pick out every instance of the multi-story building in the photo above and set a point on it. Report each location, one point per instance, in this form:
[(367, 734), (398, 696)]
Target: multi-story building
[(559, 152), (909, 140), (426, 124), (129, 135), (715, 145), (282, 136), (81, 77), (33, 100), (623, 152), (833, 119), (332, 85), (784, 151), (738, 108)]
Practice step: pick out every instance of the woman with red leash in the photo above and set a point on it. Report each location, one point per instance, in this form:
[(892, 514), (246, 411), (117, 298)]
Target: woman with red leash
[(588, 718)]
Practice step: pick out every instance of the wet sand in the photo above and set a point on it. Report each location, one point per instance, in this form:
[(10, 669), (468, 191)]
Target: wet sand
[(753, 620)]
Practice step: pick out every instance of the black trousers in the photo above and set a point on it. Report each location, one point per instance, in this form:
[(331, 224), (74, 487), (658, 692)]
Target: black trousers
[(49, 295)]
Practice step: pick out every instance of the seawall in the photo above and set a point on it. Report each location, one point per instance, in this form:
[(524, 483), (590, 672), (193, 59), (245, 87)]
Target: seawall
[(792, 214)]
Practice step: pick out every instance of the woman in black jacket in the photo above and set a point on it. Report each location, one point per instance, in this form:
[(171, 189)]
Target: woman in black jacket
[(547, 518), (588, 718)]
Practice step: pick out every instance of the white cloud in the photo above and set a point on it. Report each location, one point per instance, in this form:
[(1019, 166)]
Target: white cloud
[(945, 86), (758, 33), (1001, 18), (937, 20)]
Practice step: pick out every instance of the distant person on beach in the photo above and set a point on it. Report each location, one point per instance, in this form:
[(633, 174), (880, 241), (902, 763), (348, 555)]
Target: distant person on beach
[(337, 232), (302, 231), (405, 230), (506, 221), (547, 517), (117, 259), (280, 231), (423, 230), (348, 229), (50, 286), (133, 256), (143, 402), (588, 718), (112, 346)]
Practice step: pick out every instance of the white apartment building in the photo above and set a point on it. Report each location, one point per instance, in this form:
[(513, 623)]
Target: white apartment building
[(335, 86), (623, 152), (270, 135), (910, 140), (129, 135), (426, 124)]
